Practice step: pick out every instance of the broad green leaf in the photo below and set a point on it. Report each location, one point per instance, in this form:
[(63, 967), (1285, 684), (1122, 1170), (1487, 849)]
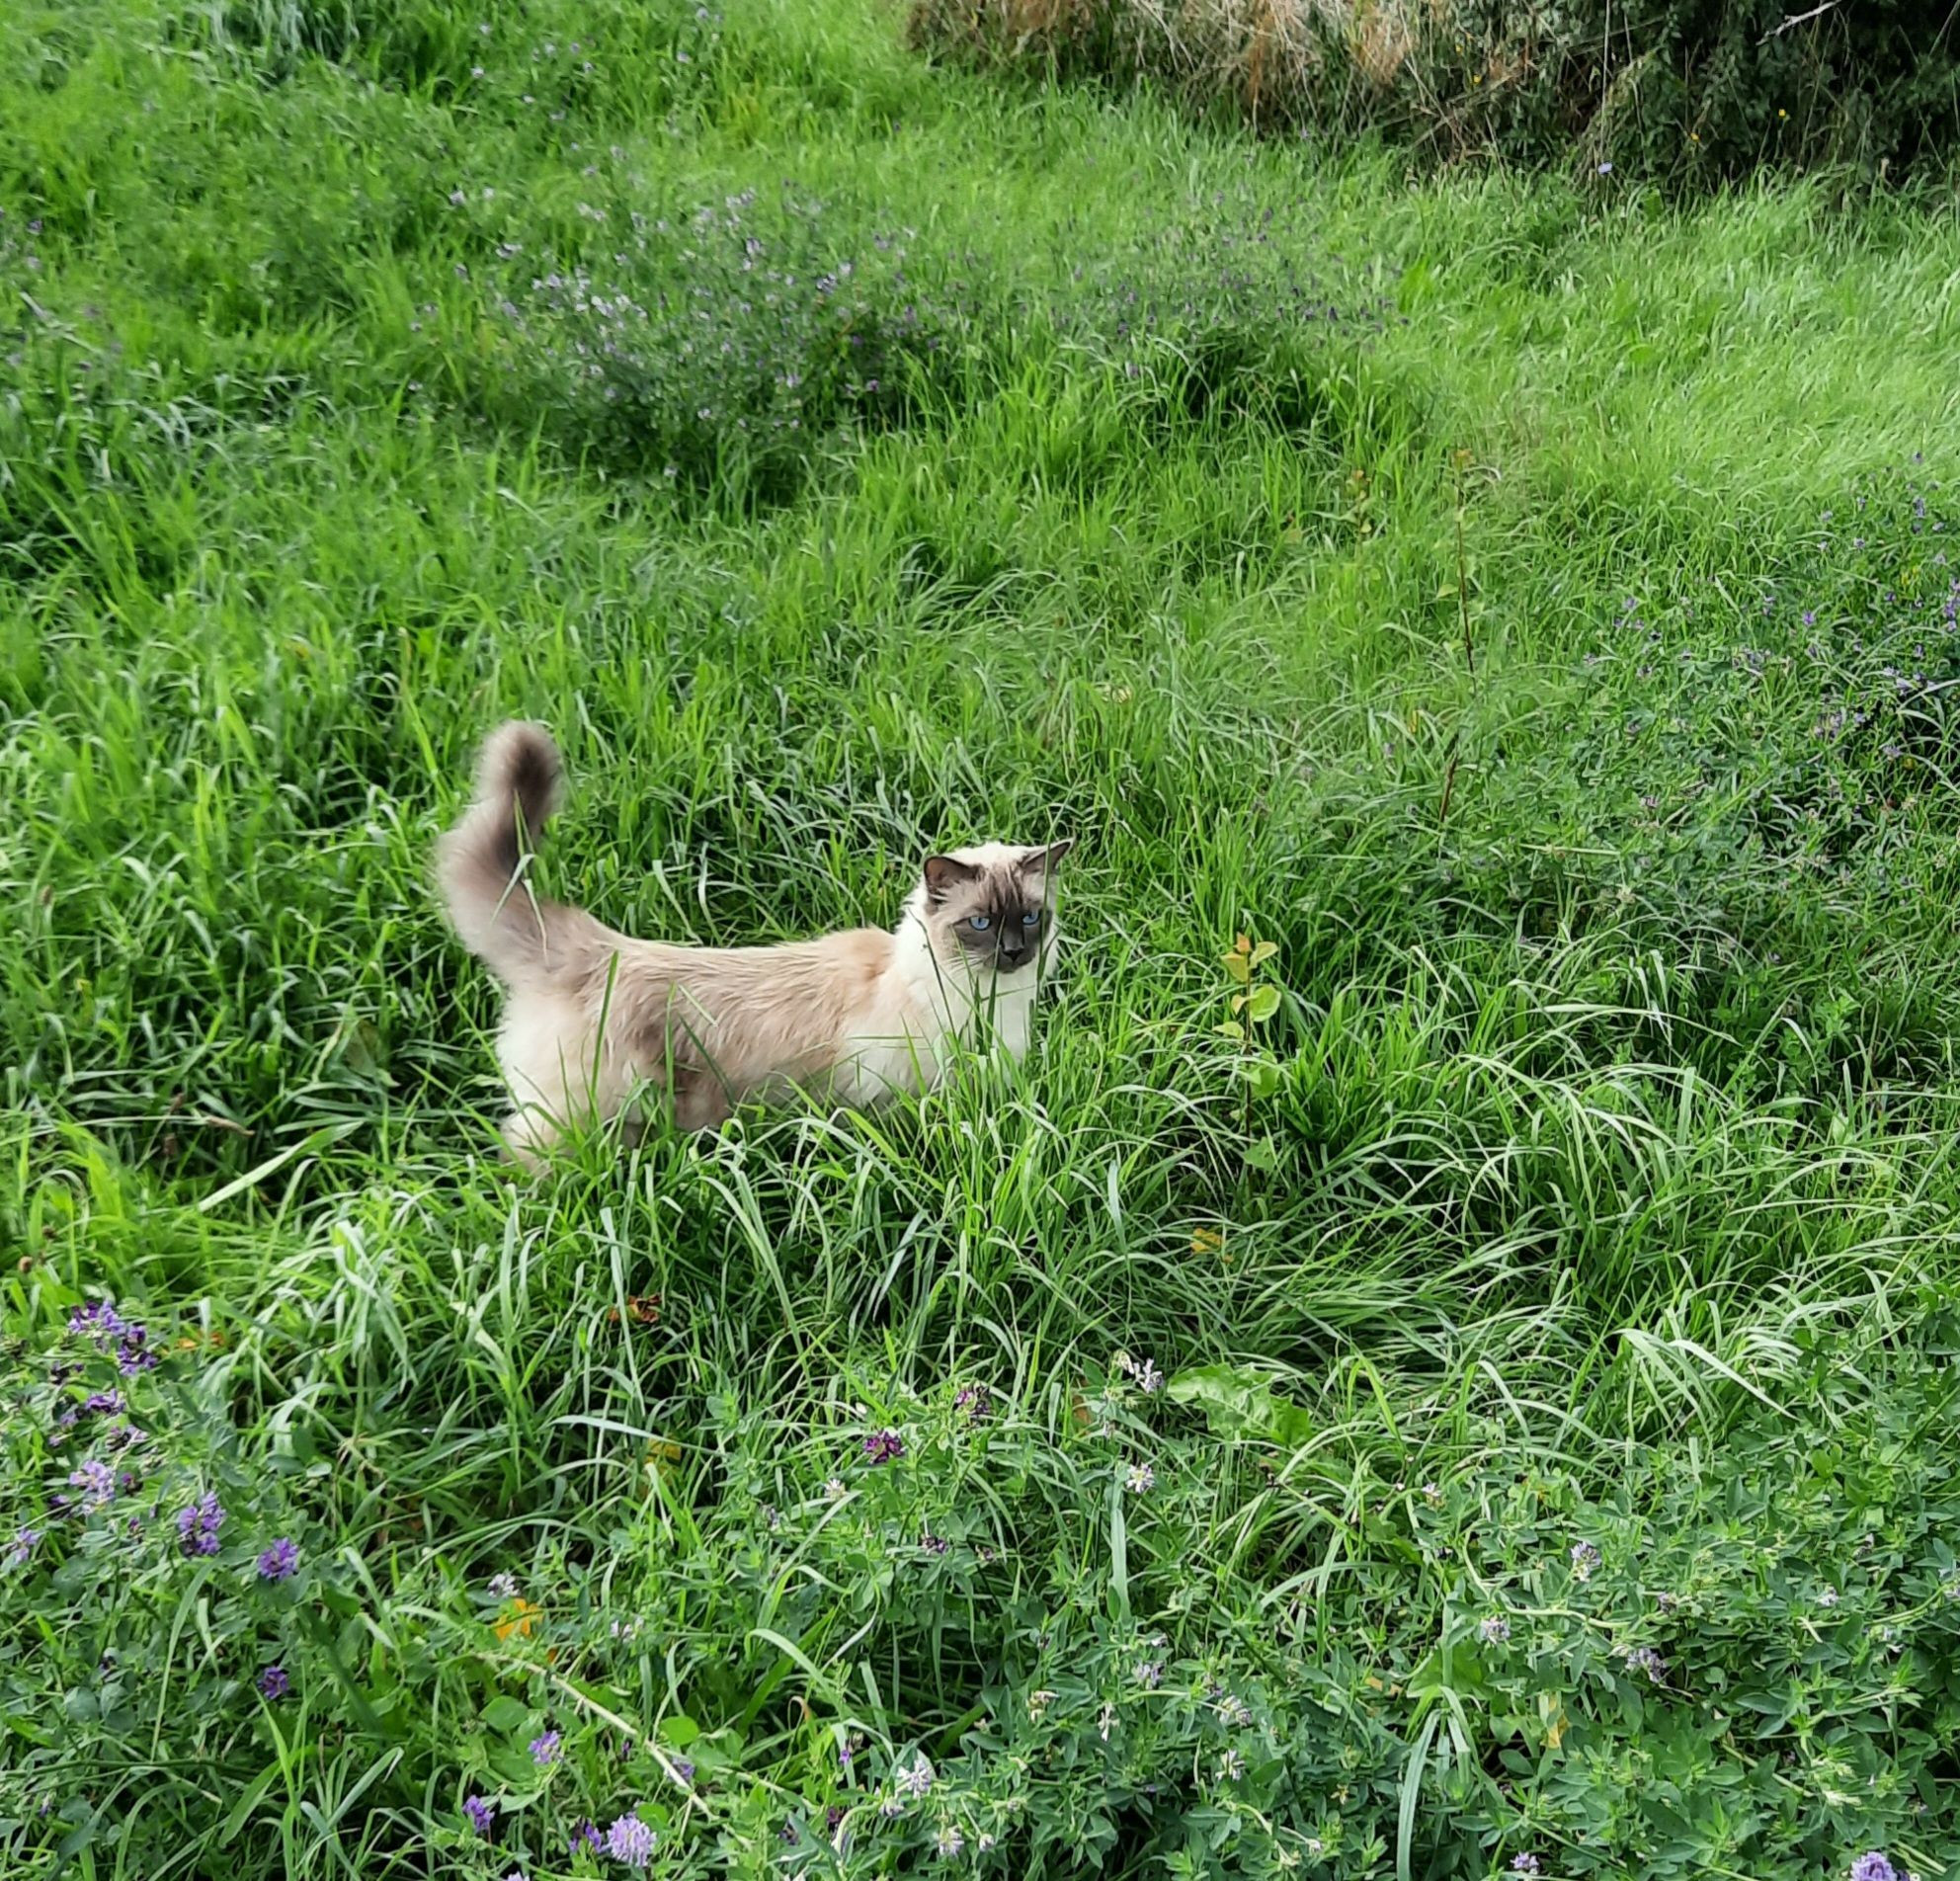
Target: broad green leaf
[(505, 1714), (1263, 1002), (1237, 1403)]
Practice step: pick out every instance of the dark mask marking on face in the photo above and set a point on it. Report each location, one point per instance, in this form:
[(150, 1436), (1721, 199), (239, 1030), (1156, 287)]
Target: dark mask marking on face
[(1004, 931)]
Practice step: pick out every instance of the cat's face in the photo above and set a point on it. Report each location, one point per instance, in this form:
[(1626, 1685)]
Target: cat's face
[(994, 903)]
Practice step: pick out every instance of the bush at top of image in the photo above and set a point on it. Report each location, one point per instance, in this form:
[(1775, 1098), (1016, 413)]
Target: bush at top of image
[(723, 348), (1686, 90)]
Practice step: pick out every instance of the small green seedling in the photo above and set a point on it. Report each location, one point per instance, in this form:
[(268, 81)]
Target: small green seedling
[(1255, 1001)]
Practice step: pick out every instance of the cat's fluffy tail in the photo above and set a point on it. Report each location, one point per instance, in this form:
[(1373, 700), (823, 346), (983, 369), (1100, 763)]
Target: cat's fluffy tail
[(480, 864)]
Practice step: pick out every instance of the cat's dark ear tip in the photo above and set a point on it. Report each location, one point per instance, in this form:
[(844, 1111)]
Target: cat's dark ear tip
[(1047, 858), (941, 872)]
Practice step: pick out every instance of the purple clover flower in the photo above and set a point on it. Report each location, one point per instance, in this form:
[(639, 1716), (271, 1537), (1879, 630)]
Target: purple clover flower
[(274, 1685), (99, 1320), (197, 1525), (1646, 1659), (545, 1750), (586, 1835), (26, 1541), (1140, 1478), (96, 1481), (279, 1562), (109, 1403), (133, 1353), (884, 1446), (1873, 1867), (630, 1840), (1496, 1630), (1525, 1864), (482, 1815), (1585, 1558), (971, 1402)]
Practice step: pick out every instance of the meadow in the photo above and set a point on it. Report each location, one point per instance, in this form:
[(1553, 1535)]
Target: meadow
[(1483, 1405)]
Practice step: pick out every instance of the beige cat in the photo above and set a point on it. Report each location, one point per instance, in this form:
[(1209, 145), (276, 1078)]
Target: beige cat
[(593, 1017)]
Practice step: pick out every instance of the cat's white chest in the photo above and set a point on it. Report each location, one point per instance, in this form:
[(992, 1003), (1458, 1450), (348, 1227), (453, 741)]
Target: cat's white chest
[(947, 1011)]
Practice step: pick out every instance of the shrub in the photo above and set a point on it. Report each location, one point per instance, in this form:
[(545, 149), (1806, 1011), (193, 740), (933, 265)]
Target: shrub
[(1687, 89), (723, 349)]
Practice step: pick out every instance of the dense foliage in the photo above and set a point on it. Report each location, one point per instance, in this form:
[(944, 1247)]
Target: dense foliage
[(1691, 91)]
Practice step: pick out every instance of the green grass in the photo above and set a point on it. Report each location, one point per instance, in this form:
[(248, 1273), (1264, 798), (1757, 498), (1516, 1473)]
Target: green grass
[(1613, 1124)]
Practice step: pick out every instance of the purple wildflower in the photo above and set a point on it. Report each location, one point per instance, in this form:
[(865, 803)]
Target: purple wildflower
[(109, 1403), (1525, 1864), (931, 1543), (949, 1842), (630, 1840), (970, 1401), (279, 1562), (1585, 1558), (1605, 169), (96, 1481), (1148, 1673), (1646, 1659), (586, 1835), (1496, 1630), (502, 1586), (99, 1320), (547, 1749), (1873, 1867), (683, 1768), (26, 1541), (197, 1525), (274, 1685), (915, 1779), (482, 1815), (884, 1446), (1140, 1477)]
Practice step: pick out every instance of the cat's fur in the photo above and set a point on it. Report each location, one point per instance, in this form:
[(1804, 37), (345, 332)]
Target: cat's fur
[(595, 1018)]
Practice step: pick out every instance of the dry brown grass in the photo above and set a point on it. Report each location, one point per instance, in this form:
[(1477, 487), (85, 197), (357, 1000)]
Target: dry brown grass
[(1280, 61)]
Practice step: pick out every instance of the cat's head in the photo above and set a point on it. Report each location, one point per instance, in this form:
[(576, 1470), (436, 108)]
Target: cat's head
[(992, 907)]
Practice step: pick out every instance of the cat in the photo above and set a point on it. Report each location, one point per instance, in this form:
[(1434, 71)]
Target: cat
[(594, 1020)]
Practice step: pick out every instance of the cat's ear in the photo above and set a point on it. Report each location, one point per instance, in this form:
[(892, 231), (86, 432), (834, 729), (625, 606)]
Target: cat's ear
[(943, 873), (1038, 862)]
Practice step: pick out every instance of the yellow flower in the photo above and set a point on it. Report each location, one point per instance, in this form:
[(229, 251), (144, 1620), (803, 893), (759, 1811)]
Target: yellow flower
[(521, 1619)]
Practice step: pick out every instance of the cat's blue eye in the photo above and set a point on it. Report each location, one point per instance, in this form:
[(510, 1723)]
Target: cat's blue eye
[(1029, 919), (981, 923)]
